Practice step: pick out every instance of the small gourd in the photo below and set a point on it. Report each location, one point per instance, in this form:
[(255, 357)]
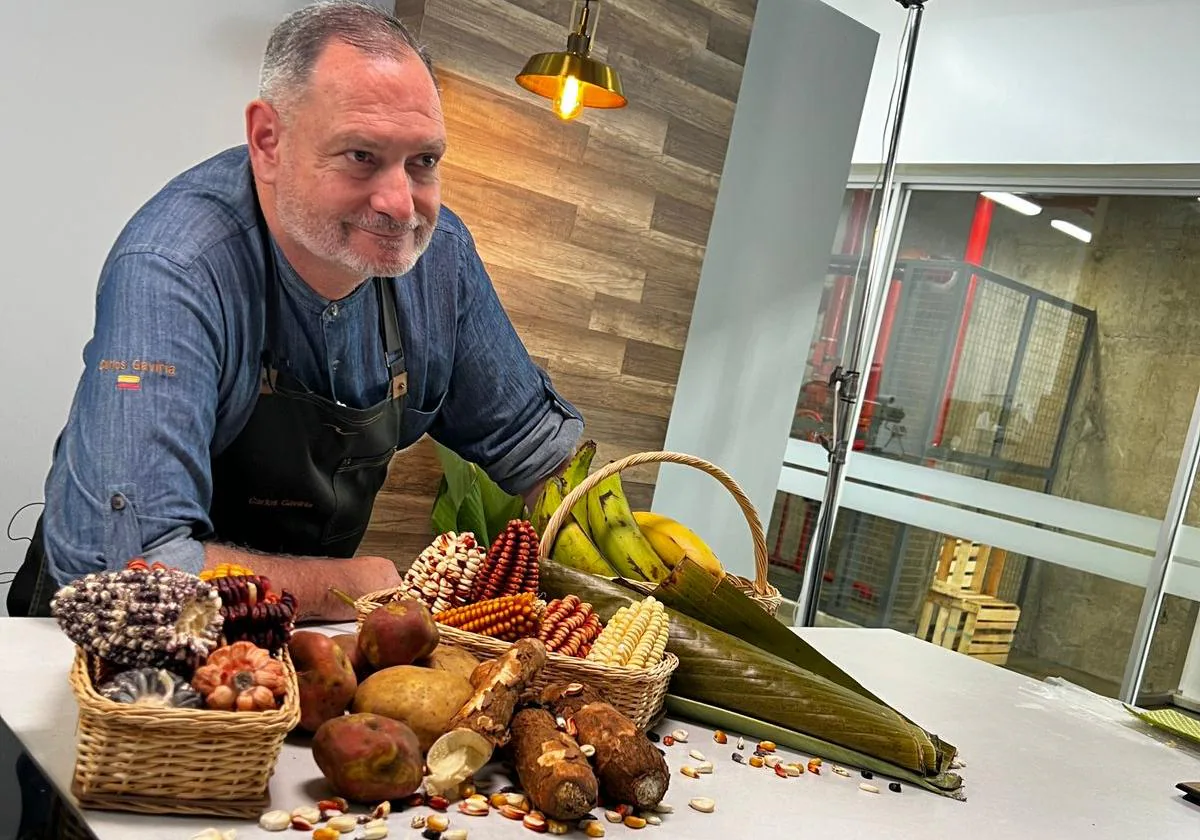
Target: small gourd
[(241, 676), (152, 687)]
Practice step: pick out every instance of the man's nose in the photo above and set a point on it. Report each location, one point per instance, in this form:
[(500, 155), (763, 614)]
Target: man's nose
[(393, 195)]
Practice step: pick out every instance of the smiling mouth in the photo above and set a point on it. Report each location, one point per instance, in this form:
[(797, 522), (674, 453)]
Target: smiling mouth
[(381, 235)]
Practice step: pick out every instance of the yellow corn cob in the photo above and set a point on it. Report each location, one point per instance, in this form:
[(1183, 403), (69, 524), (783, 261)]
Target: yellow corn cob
[(510, 617), (632, 636), (226, 570)]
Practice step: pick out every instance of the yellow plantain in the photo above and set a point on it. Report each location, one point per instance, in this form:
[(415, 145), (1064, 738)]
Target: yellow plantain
[(616, 534), (672, 541), (546, 504), (573, 548)]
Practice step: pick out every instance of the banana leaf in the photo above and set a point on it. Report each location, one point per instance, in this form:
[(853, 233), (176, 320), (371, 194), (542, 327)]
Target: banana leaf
[(725, 672), (468, 500), (718, 603)]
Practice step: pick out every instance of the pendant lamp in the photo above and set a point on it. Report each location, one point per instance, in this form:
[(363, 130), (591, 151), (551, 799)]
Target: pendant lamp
[(572, 79)]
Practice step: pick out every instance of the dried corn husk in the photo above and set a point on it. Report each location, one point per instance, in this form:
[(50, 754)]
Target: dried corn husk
[(828, 710)]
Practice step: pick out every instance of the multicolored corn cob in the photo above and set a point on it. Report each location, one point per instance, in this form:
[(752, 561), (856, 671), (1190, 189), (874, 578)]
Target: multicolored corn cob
[(225, 570), (443, 576), (636, 637), (511, 566), (141, 616), (253, 613), (569, 627), (508, 618)]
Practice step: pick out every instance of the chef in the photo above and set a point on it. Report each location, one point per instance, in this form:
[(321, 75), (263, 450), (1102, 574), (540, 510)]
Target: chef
[(275, 323)]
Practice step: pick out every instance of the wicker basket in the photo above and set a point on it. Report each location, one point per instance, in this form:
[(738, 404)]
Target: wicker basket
[(638, 693), (759, 590), (176, 761)]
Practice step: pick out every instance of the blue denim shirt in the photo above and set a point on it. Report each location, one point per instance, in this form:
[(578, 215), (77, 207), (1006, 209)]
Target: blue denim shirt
[(171, 372)]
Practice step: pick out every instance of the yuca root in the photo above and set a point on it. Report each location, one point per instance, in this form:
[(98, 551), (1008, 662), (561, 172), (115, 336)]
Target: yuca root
[(498, 685), (629, 767), (552, 770)]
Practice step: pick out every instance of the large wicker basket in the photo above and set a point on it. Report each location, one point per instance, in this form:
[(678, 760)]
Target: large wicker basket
[(638, 693), (176, 761), (759, 590)]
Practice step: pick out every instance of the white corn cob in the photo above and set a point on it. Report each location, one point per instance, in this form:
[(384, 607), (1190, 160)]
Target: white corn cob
[(632, 636)]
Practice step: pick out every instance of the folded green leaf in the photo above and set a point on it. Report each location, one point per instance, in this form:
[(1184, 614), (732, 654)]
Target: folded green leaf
[(469, 501), (499, 508), (728, 673), (695, 592)]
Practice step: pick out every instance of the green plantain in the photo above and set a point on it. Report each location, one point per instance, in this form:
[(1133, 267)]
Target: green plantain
[(615, 532), (574, 549), (546, 504), (574, 476)]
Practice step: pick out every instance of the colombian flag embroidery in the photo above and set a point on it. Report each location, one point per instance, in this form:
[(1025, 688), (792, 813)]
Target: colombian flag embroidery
[(129, 382)]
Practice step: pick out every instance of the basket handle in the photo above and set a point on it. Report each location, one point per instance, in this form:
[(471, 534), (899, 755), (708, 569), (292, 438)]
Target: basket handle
[(559, 518)]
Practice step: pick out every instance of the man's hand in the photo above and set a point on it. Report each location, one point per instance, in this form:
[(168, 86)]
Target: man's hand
[(311, 579)]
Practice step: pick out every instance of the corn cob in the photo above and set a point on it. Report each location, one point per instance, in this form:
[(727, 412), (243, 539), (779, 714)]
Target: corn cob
[(511, 566), (636, 637), (253, 613), (140, 616), (509, 618), (443, 576), (569, 626), (225, 570)]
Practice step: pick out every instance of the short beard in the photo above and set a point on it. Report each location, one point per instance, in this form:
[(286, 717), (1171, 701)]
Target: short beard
[(330, 240)]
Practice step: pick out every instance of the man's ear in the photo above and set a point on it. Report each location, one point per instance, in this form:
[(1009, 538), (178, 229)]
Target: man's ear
[(263, 136)]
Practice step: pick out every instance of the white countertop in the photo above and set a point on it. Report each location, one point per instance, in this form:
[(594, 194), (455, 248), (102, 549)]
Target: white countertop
[(1039, 764)]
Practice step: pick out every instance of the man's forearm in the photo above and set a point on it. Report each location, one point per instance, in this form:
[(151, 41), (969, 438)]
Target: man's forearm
[(310, 579)]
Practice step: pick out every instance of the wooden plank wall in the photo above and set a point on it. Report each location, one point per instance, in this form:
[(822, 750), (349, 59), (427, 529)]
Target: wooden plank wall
[(594, 230)]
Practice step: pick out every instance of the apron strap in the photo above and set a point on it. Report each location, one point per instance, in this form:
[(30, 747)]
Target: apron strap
[(392, 346)]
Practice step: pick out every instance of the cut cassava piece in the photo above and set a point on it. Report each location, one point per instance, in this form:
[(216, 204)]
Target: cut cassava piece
[(483, 721), (552, 769), (721, 671), (629, 767)]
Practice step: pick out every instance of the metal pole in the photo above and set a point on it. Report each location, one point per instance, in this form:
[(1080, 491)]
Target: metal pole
[(1168, 541), (846, 382)]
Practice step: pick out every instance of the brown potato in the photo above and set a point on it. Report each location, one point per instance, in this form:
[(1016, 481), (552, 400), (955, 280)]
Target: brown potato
[(368, 758), (422, 698), (325, 675), (454, 660)]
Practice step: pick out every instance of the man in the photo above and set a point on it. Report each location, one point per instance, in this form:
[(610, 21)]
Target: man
[(275, 323)]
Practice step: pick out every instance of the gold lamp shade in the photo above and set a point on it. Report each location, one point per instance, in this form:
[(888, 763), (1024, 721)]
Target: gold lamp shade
[(572, 78)]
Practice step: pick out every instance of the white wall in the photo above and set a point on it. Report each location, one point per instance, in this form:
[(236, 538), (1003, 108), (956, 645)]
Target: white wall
[(768, 248), (1040, 82), (101, 103)]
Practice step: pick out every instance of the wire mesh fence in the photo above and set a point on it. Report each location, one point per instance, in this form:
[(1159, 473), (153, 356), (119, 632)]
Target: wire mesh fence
[(979, 374)]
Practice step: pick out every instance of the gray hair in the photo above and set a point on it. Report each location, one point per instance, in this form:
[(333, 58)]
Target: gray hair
[(297, 42)]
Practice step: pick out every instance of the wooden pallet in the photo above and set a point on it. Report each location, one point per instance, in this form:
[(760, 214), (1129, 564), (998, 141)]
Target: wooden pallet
[(980, 626), (962, 611)]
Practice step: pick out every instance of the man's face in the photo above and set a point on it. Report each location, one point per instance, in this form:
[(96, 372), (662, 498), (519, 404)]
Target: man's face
[(357, 183)]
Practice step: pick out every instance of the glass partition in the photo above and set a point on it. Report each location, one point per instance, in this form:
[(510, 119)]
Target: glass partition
[(1037, 365)]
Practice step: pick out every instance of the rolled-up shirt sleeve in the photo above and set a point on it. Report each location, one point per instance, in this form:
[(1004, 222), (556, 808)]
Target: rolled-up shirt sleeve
[(501, 411), (131, 474)]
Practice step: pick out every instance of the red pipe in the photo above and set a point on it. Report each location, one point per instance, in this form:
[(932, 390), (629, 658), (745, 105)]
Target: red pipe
[(885, 338), (977, 243)]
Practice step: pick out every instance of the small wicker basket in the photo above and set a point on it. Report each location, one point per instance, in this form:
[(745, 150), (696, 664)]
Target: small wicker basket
[(759, 590), (638, 693), (176, 761)]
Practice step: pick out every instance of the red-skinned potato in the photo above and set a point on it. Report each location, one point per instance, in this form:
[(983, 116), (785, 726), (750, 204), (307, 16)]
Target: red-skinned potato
[(348, 642), (368, 758), (325, 675), (397, 633)]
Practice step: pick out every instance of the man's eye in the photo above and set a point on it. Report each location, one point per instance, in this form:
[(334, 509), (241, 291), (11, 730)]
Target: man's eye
[(428, 161), (359, 156)]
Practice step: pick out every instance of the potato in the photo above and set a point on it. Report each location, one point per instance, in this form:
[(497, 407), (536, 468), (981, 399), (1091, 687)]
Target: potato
[(454, 660), (423, 698), (368, 758), (326, 677)]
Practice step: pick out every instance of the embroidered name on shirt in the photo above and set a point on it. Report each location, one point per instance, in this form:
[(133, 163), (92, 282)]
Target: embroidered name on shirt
[(287, 503), (139, 365)]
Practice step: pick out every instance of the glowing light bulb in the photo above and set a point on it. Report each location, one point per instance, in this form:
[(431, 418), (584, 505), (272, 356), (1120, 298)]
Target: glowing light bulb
[(569, 101)]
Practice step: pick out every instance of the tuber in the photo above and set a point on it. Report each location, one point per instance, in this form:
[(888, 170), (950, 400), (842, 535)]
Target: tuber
[(482, 723), (629, 767), (552, 769)]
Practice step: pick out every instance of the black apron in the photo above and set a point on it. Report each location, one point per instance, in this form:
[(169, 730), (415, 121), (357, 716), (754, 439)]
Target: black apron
[(302, 475)]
